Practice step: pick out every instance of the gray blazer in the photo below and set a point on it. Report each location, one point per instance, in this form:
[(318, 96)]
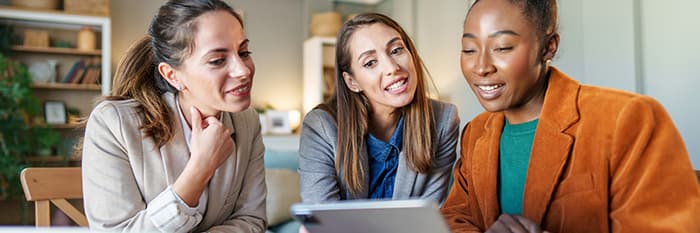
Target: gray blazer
[(320, 182), (124, 171)]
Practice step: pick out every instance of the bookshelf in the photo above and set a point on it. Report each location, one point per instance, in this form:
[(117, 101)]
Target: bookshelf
[(63, 27), (319, 63)]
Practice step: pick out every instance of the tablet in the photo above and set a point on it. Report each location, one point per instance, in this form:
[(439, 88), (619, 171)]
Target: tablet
[(370, 216)]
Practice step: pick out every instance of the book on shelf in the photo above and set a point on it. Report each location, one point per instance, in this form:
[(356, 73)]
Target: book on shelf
[(93, 70), (77, 65)]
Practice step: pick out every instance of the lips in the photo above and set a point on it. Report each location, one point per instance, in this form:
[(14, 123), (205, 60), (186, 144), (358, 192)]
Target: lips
[(398, 86), (240, 90), (489, 91)]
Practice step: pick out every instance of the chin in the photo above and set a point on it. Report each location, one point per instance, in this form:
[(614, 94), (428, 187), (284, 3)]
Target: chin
[(238, 106), (490, 106)]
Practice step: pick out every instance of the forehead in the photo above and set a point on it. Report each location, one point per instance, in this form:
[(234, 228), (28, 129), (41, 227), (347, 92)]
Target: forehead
[(217, 29), (493, 15), (371, 37)]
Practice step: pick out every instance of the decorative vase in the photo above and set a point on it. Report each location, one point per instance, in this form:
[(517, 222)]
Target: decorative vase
[(86, 39)]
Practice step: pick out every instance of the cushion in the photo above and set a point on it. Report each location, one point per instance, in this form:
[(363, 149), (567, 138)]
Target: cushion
[(281, 159), (282, 192)]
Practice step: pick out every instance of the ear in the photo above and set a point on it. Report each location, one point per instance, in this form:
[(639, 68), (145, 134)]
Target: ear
[(551, 47), (168, 73), (350, 82)]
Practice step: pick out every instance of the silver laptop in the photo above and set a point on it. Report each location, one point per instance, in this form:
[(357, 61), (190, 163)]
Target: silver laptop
[(371, 216)]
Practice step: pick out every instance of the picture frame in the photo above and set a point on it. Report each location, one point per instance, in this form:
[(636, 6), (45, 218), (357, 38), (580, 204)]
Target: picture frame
[(278, 122), (55, 112)]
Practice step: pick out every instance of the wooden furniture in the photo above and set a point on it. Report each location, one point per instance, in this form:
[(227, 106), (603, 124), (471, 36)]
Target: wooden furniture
[(319, 71), (53, 185), (63, 28)]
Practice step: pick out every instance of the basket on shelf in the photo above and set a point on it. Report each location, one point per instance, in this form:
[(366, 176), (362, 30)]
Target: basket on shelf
[(36, 4), (87, 7), (36, 38)]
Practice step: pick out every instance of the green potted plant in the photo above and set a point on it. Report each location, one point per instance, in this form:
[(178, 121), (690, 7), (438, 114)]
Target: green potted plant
[(18, 138)]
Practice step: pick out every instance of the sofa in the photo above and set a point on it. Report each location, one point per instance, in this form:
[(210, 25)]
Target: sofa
[(282, 182)]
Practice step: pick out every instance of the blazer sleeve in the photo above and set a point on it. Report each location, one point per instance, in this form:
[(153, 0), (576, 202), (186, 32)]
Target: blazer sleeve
[(653, 188), (447, 137), (111, 195), (249, 211), (457, 208), (318, 179)]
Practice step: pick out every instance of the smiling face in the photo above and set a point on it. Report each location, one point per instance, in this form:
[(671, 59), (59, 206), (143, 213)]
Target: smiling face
[(382, 68), (501, 59), (217, 75)]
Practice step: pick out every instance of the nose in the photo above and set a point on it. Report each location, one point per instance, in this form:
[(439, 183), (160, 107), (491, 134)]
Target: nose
[(390, 67), (484, 65), (239, 68)]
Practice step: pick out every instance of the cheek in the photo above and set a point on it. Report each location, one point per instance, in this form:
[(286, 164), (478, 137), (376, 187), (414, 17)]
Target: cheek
[(251, 66), (465, 64)]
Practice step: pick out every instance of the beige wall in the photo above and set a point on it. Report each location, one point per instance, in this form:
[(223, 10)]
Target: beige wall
[(273, 26)]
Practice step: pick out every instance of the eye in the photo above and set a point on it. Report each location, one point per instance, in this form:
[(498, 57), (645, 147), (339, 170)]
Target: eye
[(217, 62), (245, 54), (503, 49), (369, 64), (468, 51), (396, 51)]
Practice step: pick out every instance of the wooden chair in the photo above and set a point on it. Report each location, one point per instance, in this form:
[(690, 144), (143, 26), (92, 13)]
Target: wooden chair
[(55, 185)]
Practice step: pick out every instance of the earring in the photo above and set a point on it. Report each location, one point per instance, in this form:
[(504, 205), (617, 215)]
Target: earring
[(548, 62)]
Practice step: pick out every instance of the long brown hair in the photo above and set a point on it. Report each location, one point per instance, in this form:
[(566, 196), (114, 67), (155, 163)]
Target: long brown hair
[(351, 110), (170, 40)]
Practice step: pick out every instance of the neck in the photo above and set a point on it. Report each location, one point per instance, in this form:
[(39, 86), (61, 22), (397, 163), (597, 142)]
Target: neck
[(186, 102), (383, 123)]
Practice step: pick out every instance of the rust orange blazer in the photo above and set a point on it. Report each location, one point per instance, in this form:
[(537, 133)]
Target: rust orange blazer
[(602, 160)]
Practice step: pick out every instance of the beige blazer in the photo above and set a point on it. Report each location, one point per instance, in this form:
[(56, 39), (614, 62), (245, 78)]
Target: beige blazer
[(123, 171)]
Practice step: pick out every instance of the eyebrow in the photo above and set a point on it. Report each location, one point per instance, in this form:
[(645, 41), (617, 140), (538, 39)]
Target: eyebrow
[(373, 51), (223, 50), (495, 34)]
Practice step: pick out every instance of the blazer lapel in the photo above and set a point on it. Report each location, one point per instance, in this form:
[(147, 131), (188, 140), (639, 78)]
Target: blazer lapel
[(223, 180), (405, 179), (551, 146), (484, 170)]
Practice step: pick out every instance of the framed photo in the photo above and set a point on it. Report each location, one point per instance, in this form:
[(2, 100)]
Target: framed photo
[(278, 122), (55, 112)]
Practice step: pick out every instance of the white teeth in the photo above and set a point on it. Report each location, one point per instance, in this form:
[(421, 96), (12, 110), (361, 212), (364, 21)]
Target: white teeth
[(396, 85), (242, 89), (490, 87)]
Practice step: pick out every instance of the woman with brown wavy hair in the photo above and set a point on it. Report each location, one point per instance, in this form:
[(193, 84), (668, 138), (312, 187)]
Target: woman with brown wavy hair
[(176, 147), (380, 136)]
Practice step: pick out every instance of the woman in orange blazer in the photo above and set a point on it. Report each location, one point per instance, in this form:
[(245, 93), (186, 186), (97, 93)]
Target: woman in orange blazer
[(552, 154)]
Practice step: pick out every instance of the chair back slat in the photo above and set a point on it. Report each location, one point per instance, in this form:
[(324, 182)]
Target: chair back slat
[(70, 210), (43, 183), (53, 185)]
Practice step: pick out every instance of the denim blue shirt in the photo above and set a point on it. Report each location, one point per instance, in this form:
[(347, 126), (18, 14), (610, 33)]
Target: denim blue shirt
[(383, 163)]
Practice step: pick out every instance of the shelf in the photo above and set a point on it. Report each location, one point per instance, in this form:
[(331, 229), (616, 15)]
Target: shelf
[(67, 86), (70, 51)]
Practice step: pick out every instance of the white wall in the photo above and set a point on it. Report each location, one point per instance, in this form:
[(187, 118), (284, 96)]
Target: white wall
[(671, 63), (275, 31)]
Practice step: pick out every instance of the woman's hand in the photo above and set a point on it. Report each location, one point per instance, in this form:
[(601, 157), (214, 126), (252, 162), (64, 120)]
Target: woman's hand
[(515, 224), (210, 141), (211, 144)]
